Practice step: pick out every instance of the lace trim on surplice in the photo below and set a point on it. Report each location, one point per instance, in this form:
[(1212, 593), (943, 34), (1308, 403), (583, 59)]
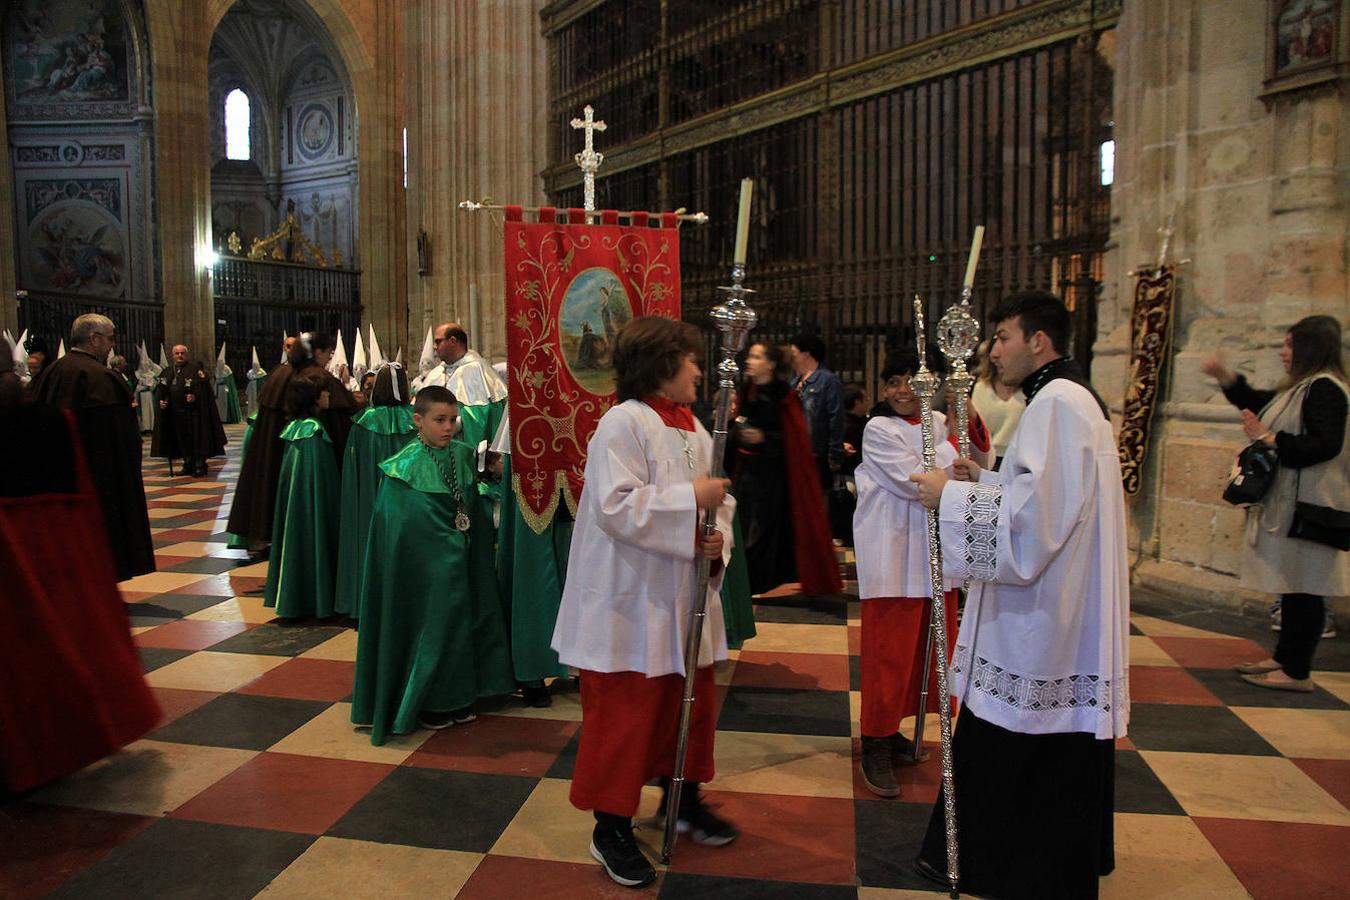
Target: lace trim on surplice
[(1035, 694), (978, 509)]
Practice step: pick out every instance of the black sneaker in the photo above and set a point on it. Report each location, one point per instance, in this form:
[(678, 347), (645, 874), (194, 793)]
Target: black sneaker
[(616, 849), (463, 716), (878, 770), (435, 720), (706, 827), (536, 694), (696, 819), (902, 751)]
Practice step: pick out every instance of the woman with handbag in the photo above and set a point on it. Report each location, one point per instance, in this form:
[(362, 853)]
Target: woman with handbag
[(1299, 531)]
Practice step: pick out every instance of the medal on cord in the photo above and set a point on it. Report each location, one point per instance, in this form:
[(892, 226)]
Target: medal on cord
[(461, 517)]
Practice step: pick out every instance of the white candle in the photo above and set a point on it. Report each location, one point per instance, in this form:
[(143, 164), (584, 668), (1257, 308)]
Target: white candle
[(974, 256), (743, 221)]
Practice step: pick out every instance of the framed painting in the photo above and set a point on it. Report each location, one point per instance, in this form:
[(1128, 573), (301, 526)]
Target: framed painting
[(1306, 43)]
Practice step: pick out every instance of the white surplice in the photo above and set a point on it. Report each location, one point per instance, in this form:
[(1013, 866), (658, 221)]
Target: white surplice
[(890, 525), (1043, 643), (627, 602), (469, 378)]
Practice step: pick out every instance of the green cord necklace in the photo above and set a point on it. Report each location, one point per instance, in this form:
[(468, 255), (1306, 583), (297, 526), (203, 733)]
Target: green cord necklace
[(461, 517)]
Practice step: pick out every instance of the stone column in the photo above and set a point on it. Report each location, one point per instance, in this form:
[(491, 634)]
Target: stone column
[(1258, 188), (180, 36), (9, 310), (477, 106)]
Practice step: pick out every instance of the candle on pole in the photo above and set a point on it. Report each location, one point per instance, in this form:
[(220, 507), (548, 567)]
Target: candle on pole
[(743, 221), (974, 257)]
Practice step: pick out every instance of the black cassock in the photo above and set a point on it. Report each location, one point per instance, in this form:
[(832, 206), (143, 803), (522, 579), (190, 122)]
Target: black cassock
[(111, 436), (187, 429)]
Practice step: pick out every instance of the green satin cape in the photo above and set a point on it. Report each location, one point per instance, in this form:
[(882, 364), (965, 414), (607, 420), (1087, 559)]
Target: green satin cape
[(738, 605), (377, 434), (300, 567), (432, 636), (531, 569)]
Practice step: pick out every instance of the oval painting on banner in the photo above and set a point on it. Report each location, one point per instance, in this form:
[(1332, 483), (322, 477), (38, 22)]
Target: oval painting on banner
[(593, 310)]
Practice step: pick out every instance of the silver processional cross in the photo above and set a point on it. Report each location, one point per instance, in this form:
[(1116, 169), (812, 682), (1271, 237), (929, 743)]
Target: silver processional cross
[(588, 160)]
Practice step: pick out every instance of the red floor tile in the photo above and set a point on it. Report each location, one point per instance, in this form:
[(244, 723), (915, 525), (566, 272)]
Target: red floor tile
[(305, 679), (854, 640), (42, 846), (791, 589), (806, 839), (497, 745), (800, 671), (1211, 653), (504, 878), (305, 794), (214, 585), (918, 782), (1280, 860), (163, 562), (1125, 744), (189, 634), (1332, 774), (177, 703), (247, 584), (1169, 684)]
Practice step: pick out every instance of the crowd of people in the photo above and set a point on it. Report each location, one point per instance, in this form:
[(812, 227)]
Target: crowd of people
[(385, 506)]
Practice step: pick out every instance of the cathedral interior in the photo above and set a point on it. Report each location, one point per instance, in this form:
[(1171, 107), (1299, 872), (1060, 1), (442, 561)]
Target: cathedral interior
[(219, 173)]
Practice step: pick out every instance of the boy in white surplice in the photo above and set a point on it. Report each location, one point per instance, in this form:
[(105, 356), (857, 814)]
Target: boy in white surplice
[(627, 603), (1041, 659)]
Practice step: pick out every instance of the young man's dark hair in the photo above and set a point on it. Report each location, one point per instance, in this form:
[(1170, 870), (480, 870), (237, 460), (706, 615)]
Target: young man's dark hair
[(382, 390), (1037, 311), (432, 393), (648, 351), (901, 362), (812, 344), (303, 392)]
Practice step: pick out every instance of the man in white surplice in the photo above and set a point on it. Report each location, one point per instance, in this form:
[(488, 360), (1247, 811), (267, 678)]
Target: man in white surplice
[(1041, 664), (478, 388)]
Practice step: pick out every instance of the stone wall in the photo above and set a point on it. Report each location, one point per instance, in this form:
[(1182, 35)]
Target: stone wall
[(1258, 186)]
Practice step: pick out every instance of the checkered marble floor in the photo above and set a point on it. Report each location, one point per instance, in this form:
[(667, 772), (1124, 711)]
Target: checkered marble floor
[(255, 783)]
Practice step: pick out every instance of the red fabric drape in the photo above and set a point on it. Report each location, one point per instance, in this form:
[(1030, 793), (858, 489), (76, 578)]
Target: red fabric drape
[(816, 564), (71, 688)]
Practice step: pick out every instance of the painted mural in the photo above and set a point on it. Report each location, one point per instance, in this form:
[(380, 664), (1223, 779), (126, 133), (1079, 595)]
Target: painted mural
[(71, 51), (76, 239)]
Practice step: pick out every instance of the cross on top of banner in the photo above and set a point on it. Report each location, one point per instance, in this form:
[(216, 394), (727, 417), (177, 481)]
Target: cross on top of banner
[(588, 160)]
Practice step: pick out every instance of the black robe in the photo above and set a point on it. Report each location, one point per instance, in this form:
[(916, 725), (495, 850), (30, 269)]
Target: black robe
[(187, 429), (256, 493), (111, 437), (759, 473)]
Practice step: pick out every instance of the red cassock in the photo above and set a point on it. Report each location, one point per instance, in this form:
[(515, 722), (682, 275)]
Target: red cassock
[(71, 688), (817, 567), (628, 736)]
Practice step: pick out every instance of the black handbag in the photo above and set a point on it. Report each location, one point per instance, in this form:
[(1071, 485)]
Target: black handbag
[(1320, 524), (1257, 465)]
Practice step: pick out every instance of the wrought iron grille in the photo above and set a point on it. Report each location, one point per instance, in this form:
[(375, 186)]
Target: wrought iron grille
[(860, 203)]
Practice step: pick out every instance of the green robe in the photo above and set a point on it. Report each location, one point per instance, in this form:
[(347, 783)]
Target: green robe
[(377, 434), (234, 541), (531, 569), (233, 414), (300, 568), (432, 636), (480, 422), (738, 605)]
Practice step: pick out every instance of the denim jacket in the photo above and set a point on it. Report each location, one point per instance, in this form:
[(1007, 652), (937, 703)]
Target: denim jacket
[(822, 398)]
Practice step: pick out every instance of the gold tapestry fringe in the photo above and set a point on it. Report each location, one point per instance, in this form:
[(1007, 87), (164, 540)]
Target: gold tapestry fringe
[(539, 522)]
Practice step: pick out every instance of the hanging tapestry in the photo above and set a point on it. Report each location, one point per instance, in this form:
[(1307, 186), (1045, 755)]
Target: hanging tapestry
[(1150, 338), (570, 286)]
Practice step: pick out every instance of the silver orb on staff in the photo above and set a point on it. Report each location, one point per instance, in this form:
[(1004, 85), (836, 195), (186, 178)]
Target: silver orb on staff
[(925, 385), (734, 319)]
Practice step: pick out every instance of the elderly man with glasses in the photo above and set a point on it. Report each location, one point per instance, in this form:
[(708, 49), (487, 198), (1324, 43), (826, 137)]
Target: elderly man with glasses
[(102, 404)]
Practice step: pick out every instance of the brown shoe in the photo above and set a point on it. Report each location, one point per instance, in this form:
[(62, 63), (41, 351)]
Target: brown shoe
[(877, 769), (1297, 685), (1256, 668)]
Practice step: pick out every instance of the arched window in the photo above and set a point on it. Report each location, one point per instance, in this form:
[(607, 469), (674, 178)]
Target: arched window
[(236, 125)]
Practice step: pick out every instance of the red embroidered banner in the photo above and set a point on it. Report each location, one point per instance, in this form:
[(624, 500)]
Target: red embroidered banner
[(569, 288)]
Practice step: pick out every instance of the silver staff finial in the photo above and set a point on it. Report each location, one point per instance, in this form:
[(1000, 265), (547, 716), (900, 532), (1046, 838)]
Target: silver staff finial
[(588, 160)]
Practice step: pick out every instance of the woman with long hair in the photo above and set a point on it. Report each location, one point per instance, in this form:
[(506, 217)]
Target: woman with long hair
[(1305, 421), (782, 512)]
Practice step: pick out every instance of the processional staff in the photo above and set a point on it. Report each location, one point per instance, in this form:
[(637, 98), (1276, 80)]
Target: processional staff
[(733, 319), (958, 336), (925, 385)]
